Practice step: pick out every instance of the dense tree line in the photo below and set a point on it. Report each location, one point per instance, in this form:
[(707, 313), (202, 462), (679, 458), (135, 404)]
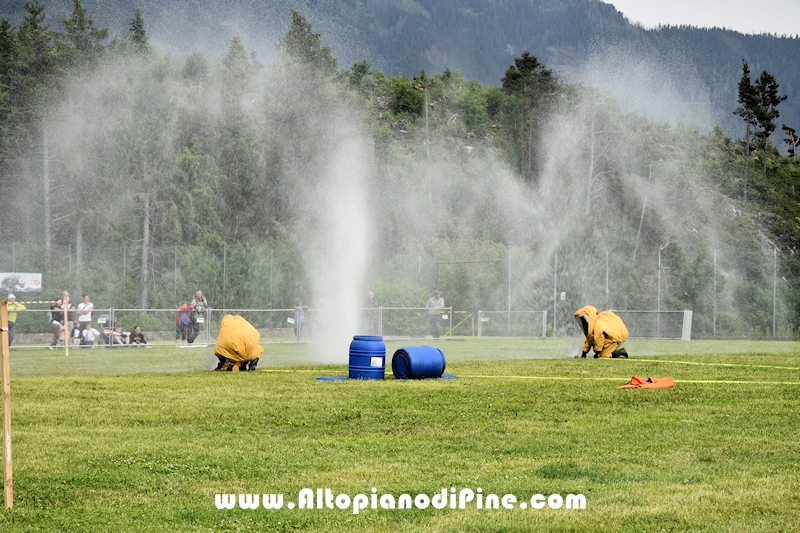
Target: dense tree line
[(481, 39), (104, 141)]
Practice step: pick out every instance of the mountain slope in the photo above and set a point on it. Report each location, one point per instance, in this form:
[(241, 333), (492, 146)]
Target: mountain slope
[(672, 74)]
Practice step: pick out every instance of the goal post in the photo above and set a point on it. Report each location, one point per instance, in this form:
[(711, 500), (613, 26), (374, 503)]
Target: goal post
[(674, 325), (512, 323)]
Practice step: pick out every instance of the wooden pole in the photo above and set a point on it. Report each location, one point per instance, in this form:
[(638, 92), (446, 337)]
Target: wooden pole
[(8, 484)]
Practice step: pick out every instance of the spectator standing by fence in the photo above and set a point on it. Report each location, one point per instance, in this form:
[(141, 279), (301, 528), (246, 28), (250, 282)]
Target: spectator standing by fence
[(13, 307), (182, 322), (299, 318), (55, 317), (85, 311), (199, 305), (435, 305)]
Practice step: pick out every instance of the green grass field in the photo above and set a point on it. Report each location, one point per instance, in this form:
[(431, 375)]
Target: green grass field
[(143, 440)]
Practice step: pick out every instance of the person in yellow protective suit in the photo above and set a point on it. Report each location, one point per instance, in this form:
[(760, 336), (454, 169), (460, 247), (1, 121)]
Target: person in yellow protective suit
[(604, 332), (237, 346)]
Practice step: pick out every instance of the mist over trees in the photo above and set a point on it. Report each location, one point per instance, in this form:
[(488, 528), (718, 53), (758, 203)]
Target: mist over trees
[(253, 176), (584, 41)]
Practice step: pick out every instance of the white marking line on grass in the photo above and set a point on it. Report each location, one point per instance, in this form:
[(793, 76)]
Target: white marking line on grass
[(714, 364), (737, 382), (562, 378)]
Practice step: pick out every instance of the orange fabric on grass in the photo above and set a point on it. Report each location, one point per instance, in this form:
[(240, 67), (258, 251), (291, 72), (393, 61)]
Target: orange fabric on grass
[(649, 383)]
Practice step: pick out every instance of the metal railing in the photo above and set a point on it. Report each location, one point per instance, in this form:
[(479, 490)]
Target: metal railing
[(161, 326), (33, 327)]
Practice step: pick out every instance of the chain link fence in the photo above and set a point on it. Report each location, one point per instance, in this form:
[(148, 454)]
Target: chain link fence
[(512, 324), (273, 277), (33, 328)]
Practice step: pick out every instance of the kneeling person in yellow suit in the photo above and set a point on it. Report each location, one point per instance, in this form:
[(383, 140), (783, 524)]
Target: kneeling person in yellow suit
[(604, 332), (237, 346)]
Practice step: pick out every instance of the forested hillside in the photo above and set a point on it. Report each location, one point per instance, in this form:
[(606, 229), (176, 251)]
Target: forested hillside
[(140, 179), (674, 74)]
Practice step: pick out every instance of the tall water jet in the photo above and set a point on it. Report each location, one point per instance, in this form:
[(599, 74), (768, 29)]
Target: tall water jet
[(336, 249)]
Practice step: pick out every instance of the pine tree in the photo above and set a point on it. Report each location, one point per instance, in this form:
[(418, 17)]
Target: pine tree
[(137, 34), (83, 38), (531, 85), (8, 69), (748, 99), (767, 110), (300, 44), (237, 65)]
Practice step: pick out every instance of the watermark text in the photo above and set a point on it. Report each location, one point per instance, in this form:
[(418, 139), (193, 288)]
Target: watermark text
[(453, 499)]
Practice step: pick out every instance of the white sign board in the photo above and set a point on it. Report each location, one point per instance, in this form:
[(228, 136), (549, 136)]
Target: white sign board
[(22, 285)]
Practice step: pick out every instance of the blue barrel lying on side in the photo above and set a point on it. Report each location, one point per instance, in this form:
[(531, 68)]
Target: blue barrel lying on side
[(367, 357), (418, 362)]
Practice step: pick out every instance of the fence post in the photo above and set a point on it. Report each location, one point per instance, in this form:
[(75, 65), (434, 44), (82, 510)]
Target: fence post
[(774, 287), (435, 273), (608, 304), (658, 316), (110, 338), (544, 323), (686, 330), (224, 273), (555, 290), (271, 261), (508, 325), (124, 275), (450, 315), (480, 323), (658, 297), (715, 293), (175, 275)]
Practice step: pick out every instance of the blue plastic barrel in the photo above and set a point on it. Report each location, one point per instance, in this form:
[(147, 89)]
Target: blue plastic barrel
[(367, 357), (418, 362)]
